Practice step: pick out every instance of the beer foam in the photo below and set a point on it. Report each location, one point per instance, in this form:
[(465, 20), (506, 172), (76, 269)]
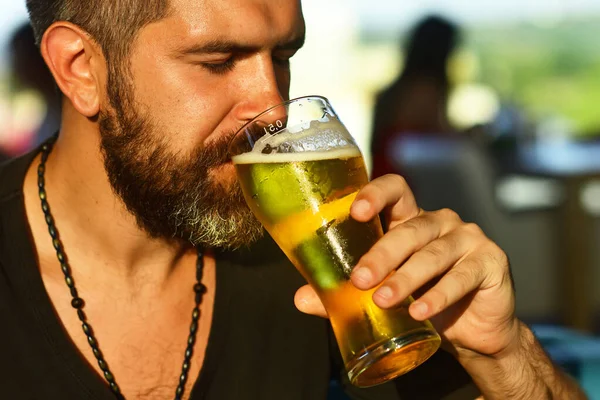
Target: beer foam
[(324, 134), (259, 158)]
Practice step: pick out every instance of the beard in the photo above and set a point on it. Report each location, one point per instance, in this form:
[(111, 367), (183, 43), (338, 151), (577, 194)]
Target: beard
[(171, 196)]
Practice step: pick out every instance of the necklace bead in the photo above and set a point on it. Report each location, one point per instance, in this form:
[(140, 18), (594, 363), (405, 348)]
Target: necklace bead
[(77, 302)]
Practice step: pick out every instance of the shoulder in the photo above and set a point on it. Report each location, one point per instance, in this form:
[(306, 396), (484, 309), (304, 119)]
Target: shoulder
[(12, 175)]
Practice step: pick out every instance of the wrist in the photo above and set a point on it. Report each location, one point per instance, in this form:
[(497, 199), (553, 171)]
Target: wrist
[(509, 372), (519, 370), (516, 337)]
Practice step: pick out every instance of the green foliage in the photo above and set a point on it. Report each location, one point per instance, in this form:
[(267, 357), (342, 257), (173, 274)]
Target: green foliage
[(548, 70)]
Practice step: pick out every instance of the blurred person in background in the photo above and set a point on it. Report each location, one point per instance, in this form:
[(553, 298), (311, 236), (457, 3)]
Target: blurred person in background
[(30, 73), (417, 101)]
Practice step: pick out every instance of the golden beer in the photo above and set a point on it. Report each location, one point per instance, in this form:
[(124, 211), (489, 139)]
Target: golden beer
[(303, 200)]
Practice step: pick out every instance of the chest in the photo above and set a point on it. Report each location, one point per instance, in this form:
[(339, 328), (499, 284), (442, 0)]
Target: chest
[(142, 344), (261, 347)]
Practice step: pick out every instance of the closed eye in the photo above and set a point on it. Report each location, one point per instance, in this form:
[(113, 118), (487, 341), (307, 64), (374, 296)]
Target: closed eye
[(220, 68)]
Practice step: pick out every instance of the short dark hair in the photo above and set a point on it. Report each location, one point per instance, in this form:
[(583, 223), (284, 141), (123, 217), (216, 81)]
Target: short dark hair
[(113, 24)]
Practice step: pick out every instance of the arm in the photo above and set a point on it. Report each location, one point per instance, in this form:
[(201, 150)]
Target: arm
[(523, 371)]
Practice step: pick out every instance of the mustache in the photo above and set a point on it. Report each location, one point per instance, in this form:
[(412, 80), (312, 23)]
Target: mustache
[(242, 140), (216, 152), (239, 141)]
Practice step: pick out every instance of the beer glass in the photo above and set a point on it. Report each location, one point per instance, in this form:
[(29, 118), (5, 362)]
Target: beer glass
[(300, 171)]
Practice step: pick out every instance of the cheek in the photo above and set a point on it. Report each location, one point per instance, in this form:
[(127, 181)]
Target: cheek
[(185, 110)]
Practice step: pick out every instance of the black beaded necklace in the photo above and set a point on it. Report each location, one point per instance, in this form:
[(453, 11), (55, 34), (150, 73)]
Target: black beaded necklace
[(79, 304)]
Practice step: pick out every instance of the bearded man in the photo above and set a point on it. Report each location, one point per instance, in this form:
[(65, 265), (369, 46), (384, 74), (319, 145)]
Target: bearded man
[(128, 268)]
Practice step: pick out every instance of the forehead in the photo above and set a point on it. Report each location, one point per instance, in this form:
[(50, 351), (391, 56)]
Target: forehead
[(253, 21)]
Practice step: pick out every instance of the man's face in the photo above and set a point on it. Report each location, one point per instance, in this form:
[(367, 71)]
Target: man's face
[(193, 79)]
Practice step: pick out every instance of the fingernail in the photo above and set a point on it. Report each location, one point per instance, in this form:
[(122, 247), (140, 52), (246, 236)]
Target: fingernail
[(420, 308), (361, 207), (303, 300), (302, 304), (362, 275), (384, 293)]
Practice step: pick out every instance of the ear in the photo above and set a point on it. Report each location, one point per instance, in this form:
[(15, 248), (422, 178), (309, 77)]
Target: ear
[(76, 62)]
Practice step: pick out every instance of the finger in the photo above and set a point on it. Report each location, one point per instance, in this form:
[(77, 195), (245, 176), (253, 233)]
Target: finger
[(458, 282), (430, 262), (386, 191), (307, 301), (397, 245)]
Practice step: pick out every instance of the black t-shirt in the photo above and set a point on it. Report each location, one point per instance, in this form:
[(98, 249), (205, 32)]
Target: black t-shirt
[(260, 347)]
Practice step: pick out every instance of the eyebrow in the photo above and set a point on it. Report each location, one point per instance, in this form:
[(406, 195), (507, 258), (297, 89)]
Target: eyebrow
[(225, 46)]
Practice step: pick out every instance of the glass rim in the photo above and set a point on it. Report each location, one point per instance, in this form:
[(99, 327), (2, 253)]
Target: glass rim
[(268, 110)]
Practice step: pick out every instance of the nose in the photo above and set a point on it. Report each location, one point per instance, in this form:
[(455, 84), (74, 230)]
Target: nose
[(261, 90)]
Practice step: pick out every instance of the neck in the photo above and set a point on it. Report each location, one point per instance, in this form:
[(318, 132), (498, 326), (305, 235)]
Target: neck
[(96, 228)]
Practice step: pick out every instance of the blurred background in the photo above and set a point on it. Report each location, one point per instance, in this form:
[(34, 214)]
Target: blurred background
[(490, 108)]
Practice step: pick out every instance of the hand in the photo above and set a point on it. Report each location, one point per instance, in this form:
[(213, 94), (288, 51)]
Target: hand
[(460, 278)]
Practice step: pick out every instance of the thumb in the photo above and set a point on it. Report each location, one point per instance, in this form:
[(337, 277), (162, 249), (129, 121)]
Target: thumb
[(307, 301)]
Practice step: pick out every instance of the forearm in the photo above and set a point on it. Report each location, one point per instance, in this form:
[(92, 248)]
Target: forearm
[(522, 372)]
